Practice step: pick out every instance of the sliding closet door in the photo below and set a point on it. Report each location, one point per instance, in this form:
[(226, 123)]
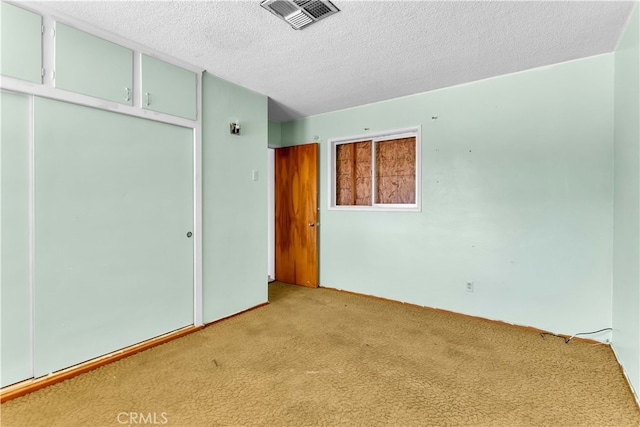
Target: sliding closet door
[(14, 231), (114, 216)]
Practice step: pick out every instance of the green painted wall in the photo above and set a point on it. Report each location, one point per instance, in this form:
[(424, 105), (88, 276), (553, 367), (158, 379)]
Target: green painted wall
[(275, 134), (234, 206), (626, 248), (517, 196)]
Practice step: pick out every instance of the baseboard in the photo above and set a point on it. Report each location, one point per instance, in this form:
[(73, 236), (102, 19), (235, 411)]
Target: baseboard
[(626, 377), (484, 319), (28, 386)]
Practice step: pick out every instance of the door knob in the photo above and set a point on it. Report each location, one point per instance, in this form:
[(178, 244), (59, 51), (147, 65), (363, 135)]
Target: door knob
[(189, 234), (312, 224)]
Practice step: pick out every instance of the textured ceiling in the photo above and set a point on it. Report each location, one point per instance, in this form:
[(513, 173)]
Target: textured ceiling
[(368, 52)]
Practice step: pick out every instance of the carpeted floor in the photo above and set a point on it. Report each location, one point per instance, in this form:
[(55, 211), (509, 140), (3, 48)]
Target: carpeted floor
[(320, 357)]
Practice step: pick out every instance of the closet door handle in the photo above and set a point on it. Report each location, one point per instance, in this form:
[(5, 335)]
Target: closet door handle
[(127, 94), (147, 96)]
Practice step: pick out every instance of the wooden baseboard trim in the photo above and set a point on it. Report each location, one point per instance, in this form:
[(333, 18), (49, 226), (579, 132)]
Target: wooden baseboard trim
[(28, 386), (484, 319), (236, 314)]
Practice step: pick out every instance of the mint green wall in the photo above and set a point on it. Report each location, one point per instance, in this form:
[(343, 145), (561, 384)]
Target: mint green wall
[(517, 197), (275, 134), (234, 206), (626, 247)]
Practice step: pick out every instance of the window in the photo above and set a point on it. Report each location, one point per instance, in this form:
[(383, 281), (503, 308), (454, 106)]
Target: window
[(376, 171)]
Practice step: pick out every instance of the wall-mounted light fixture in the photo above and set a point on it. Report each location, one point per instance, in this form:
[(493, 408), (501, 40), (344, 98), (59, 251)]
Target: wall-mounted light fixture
[(234, 128)]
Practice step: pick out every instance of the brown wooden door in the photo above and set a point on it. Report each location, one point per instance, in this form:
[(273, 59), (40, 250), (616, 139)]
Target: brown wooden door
[(296, 203)]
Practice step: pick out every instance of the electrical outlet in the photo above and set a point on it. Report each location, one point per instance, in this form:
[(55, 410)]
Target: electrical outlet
[(469, 286)]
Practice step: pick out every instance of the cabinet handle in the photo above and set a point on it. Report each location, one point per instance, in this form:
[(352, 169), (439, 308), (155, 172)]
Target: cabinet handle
[(147, 98), (127, 94)]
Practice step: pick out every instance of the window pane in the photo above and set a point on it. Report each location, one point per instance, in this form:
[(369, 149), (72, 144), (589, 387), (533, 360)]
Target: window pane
[(353, 174), (396, 171)]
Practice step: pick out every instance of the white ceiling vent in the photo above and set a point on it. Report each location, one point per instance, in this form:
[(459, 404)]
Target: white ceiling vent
[(300, 13)]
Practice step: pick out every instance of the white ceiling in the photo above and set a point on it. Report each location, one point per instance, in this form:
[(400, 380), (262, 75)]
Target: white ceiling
[(368, 52)]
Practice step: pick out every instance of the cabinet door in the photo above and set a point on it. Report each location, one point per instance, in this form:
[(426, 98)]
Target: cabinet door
[(21, 44), (92, 66), (167, 88), (114, 206), (14, 252)]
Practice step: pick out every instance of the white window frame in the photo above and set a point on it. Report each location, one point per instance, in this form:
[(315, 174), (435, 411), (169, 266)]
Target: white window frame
[(374, 137)]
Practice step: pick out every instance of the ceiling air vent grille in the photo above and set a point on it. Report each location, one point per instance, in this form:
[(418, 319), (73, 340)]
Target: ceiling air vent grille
[(315, 8), (300, 13)]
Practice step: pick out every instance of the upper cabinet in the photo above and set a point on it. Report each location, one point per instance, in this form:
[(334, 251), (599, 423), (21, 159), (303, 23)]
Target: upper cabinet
[(21, 43), (93, 66), (167, 88)]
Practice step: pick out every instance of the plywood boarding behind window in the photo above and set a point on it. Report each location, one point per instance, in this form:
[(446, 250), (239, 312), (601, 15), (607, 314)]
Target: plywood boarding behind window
[(353, 173), (396, 171)]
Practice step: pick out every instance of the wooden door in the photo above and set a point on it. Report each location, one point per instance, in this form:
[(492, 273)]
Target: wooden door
[(296, 201)]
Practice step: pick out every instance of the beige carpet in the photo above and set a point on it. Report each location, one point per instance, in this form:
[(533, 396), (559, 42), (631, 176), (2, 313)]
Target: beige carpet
[(320, 357)]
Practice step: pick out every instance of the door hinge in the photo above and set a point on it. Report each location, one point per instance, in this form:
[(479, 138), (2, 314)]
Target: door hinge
[(42, 29), (42, 72)]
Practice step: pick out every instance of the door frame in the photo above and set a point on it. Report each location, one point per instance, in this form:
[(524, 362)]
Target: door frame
[(271, 214)]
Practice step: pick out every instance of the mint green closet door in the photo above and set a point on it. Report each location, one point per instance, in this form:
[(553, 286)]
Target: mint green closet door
[(113, 206), (167, 88), (20, 43), (15, 315), (93, 66)]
